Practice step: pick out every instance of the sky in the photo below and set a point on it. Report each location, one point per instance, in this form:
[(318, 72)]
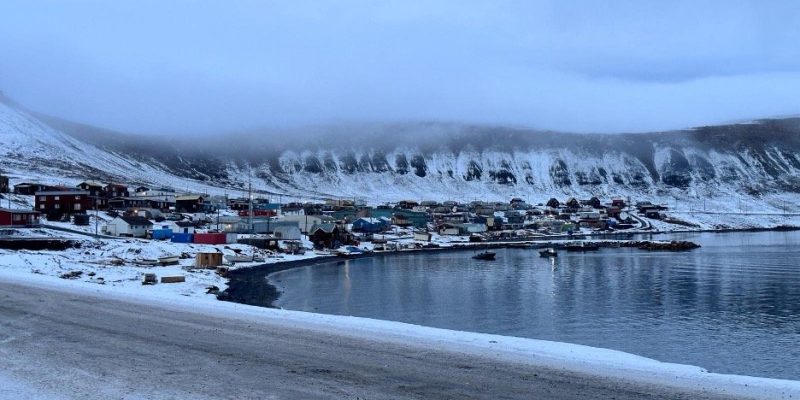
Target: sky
[(185, 67)]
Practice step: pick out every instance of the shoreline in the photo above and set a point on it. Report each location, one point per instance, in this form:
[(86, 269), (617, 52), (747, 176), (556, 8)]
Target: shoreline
[(244, 281), (292, 332)]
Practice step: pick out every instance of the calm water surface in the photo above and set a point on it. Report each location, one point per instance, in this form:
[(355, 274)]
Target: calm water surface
[(732, 306)]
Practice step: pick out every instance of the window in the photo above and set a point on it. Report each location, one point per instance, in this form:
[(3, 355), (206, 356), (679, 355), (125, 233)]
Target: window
[(17, 217), (57, 198), (77, 206), (42, 198), (57, 206), (41, 206), (77, 197)]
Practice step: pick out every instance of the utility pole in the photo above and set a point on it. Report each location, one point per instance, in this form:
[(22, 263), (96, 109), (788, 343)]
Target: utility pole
[(96, 221), (250, 200)]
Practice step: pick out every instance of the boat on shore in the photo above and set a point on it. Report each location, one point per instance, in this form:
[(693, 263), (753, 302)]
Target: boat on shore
[(549, 252), (238, 258), (349, 251), (169, 260), (581, 247), (484, 255)]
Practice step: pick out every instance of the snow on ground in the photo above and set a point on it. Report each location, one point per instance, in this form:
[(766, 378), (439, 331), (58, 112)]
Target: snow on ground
[(113, 263), (594, 361), (13, 388)]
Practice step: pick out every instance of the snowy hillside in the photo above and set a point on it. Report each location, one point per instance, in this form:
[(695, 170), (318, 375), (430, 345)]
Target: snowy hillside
[(34, 151), (743, 167)]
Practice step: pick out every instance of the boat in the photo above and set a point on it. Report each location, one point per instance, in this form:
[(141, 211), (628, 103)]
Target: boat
[(550, 252), (169, 260), (238, 258), (484, 255), (349, 251), (145, 262), (581, 247)]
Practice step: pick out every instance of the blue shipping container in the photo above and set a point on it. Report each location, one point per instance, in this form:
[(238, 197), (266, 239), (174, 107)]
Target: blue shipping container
[(182, 237), (160, 234)]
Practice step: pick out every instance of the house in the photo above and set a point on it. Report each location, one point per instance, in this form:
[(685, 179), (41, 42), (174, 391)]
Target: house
[(95, 189), (328, 235), (179, 226), (553, 203), (128, 226), (293, 210), (4, 184), (468, 229), (514, 217), (136, 202), (371, 225), (116, 190), (448, 229), (573, 203), (189, 203), (30, 189), (422, 236), (142, 189), (287, 232), (58, 204), (18, 218), (306, 222), (613, 212), (407, 204), (266, 225), (618, 203)]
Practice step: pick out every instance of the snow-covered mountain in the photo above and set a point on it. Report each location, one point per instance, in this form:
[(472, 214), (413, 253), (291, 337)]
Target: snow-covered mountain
[(380, 162), (32, 150)]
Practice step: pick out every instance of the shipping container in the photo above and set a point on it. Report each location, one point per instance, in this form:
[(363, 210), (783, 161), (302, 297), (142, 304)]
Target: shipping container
[(182, 237), (162, 234), (210, 238)]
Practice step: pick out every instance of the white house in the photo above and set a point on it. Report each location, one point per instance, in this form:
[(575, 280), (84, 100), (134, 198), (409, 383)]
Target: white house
[(128, 226), (306, 221), (288, 232), (179, 226)]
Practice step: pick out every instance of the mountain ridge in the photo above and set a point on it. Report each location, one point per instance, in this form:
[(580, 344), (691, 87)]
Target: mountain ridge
[(444, 160)]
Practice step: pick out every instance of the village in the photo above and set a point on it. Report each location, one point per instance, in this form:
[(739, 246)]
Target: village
[(166, 214), (110, 233)]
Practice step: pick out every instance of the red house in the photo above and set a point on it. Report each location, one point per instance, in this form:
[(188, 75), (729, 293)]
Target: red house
[(17, 218), (94, 188), (116, 190), (58, 204)]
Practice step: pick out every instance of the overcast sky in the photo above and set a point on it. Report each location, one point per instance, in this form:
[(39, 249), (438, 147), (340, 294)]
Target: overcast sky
[(594, 66)]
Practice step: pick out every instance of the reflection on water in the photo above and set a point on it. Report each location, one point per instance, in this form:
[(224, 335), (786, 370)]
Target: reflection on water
[(732, 306)]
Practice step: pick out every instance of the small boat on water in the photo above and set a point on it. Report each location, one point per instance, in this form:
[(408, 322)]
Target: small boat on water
[(581, 247), (548, 253), (484, 255)]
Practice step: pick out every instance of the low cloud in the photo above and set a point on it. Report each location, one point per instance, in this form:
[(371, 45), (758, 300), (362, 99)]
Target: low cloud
[(186, 67)]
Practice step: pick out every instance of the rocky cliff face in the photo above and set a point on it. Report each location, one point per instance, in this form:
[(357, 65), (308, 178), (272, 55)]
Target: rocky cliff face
[(429, 160)]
